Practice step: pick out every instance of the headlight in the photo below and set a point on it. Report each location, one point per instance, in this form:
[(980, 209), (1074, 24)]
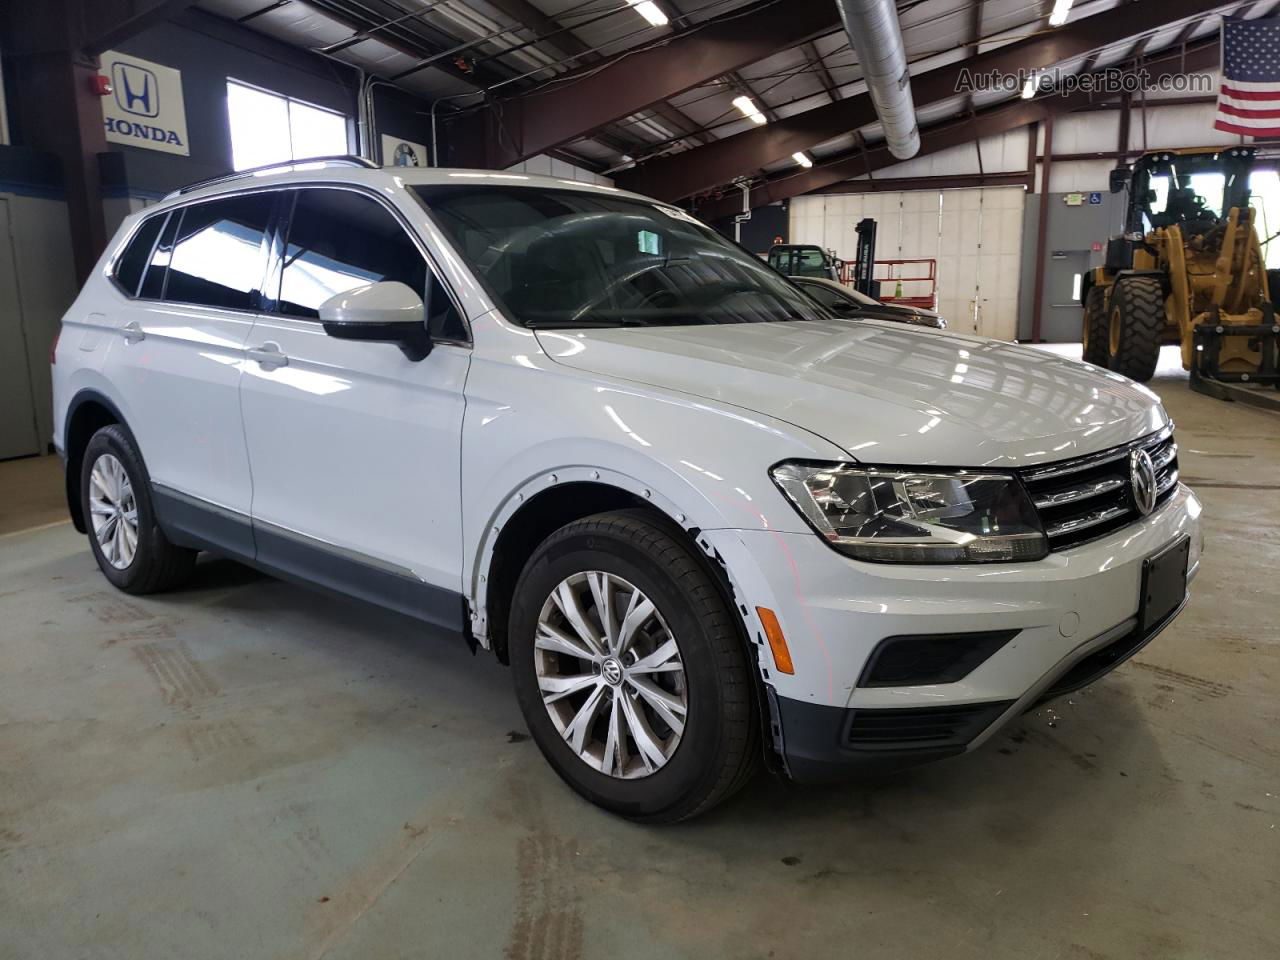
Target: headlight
[(898, 516)]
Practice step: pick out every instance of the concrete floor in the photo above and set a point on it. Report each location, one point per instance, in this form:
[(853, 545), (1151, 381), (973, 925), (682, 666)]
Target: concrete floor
[(245, 769)]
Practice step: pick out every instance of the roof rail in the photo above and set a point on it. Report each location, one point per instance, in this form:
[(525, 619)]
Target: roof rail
[(348, 160)]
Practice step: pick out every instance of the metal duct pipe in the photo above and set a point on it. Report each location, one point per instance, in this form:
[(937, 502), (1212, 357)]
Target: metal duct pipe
[(745, 215), (874, 32)]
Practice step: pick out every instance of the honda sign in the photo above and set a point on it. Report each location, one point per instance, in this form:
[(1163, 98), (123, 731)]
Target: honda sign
[(145, 107)]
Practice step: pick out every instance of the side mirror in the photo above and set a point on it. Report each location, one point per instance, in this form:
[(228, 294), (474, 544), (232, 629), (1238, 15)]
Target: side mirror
[(1119, 179), (385, 312)]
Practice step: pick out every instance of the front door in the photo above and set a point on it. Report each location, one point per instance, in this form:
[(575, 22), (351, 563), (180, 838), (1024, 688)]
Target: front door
[(354, 447)]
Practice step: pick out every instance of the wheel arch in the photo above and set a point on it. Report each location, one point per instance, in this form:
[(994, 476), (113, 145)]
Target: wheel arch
[(544, 506), (517, 536), (88, 412)]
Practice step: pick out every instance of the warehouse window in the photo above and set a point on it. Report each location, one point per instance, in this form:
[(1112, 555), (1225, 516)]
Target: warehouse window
[(268, 128)]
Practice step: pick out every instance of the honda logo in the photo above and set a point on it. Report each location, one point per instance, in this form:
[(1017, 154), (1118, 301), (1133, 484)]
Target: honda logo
[(137, 90)]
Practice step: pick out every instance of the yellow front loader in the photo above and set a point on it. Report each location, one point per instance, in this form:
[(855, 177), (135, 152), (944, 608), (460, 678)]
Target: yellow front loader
[(1189, 270)]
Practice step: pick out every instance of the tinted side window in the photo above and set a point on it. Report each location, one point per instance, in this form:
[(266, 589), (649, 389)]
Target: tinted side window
[(339, 240), (134, 259), (153, 281), (220, 253)]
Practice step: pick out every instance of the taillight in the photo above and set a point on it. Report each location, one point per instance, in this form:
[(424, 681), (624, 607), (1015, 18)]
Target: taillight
[(53, 350)]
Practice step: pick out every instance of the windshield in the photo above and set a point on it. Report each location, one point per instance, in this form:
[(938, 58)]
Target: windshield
[(1196, 189), (800, 261), (564, 258)]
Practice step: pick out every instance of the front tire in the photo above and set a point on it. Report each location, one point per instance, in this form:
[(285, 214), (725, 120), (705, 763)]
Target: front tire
[(630, 671), (115, 497), (1137, 322), (1094, 336)]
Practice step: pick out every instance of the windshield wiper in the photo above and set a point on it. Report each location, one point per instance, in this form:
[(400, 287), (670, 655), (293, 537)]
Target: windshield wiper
[(585, 322)]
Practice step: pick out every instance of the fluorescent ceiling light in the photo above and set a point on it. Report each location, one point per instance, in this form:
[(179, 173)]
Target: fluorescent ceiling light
[(1029, 88), (652, 12), (749, 109), (801, 159), (1059, 15)]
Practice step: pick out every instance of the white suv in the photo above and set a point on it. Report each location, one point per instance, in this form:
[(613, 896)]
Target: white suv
[(705, 522)]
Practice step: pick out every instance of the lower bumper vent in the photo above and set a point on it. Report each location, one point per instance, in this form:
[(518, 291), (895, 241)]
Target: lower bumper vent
[(899, 728)]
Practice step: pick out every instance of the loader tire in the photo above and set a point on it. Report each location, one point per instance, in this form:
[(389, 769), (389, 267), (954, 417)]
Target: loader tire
[(1136, 327), (1094, 335)]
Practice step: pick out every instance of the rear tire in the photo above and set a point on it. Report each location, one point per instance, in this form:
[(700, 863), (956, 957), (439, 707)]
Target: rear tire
[(115, 497), (1137, 322), (1094, 335), (716, 736)]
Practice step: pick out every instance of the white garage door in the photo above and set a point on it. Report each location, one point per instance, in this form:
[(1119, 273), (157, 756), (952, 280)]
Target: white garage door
[(974, 234)]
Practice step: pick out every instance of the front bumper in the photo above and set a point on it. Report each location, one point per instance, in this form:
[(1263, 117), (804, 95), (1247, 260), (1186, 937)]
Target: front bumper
[(1072, 616), (824, 744)]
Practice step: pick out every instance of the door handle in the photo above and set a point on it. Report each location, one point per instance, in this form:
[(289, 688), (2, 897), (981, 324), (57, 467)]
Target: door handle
[(132, 332), (268, 356)]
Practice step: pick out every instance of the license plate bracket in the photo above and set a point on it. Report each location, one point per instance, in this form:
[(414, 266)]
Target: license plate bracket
[(1164, 583)]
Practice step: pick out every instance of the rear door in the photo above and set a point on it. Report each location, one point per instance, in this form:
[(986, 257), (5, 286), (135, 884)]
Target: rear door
[(178, 364), (355, 448)]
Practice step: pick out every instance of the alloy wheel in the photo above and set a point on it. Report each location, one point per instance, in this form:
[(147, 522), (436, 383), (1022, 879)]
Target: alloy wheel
[(610, 674), (114, 511)]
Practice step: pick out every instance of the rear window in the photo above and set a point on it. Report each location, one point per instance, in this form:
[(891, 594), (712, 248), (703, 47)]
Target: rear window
[(129, 267), (153, 280), (219, 255)]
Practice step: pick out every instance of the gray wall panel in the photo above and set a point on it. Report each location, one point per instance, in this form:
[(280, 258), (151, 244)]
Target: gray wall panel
[(1072, 232)]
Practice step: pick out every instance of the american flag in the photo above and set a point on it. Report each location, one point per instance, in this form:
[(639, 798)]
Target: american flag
[(1249, 99)]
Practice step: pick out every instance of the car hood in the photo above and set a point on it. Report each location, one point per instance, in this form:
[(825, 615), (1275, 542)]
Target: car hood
[(885, 392)]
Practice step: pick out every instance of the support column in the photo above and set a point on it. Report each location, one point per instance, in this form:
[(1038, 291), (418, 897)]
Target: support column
[(1042, 231), (57, 111), (63, 116)]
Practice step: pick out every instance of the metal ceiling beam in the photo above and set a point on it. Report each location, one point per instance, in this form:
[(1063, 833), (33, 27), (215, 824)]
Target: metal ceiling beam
[(744, 87), (681, 24), (1139, 50), (564, 41), (387, 19), (685, 174), (955, 132), (573, 106), (820, 67), (946, 182), (975, 46)]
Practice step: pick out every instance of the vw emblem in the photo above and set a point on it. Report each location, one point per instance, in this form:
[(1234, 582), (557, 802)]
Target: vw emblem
[(1142, 480), (611, 669)]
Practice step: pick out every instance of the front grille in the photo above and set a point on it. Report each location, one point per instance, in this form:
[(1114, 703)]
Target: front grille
[(1086, 498), (909, 727)]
